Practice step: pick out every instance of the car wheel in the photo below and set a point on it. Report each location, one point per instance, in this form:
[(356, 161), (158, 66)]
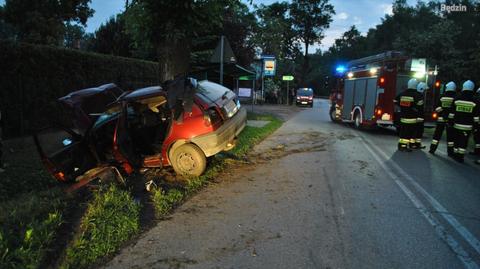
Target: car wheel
[(357, 121), (188, 160), (333, 114)]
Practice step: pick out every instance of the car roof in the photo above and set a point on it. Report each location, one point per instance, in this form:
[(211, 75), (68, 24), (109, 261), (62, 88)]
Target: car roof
[(77, 97), (142, 93)]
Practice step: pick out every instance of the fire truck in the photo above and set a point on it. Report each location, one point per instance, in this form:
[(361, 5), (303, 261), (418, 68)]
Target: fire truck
[(365, 89)]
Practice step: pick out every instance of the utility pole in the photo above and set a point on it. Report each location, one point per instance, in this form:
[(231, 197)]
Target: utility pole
[(288, 93), (222, 52)]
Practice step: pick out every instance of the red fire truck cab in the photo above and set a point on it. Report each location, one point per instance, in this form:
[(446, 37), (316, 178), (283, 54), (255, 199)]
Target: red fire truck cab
[(365, 89)]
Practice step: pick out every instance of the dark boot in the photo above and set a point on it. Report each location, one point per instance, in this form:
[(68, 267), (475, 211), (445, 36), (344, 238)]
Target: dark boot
[(433, 148), (459, 157), (450, 152)]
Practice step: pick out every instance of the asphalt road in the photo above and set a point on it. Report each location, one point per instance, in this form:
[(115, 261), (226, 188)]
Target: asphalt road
[(323, 195)]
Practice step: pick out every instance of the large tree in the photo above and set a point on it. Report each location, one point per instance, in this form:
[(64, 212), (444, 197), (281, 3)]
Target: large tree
[(275, 34), (168, 27), (310, 19), (111, 38), (350, 45), (44, 21)]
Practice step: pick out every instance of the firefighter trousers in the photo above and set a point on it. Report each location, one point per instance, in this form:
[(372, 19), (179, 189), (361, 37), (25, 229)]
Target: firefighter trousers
[(407, 132), (437, 136), (461, 142), (476, 138), (419, 129)]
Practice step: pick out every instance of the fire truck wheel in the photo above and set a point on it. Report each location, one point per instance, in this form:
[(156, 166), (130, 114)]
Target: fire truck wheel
[(333, 116), (357, 121)]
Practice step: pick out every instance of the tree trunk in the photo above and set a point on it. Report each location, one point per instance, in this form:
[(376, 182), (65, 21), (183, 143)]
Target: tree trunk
[(305, 66), (173, 58)]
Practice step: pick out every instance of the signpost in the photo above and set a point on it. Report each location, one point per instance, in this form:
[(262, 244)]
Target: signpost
[(223, 54), (268, 70), (287, 79)]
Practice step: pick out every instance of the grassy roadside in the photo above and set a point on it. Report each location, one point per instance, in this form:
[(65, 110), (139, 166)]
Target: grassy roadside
[(29, 224), (113, 216)]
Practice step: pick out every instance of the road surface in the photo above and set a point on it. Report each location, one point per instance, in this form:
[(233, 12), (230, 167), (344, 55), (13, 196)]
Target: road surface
[(322, 195)]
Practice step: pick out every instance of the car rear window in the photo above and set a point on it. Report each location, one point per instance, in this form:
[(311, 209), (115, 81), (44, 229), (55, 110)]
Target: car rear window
[(211, 90), (304, 92), (97, 103)]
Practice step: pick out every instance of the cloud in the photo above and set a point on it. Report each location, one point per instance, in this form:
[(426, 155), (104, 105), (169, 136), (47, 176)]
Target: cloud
[(387, 8), (357, 20), (341, 16)]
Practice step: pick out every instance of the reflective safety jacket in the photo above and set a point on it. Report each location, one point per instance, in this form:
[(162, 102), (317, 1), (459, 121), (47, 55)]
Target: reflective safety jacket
[(410, 105), (465, 111), (445, 106), (420, 107)]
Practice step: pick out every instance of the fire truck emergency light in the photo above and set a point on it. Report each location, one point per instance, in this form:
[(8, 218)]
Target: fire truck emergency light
[(373, 70), (437, 84), (382, 80), (350, 75), (341, 69)]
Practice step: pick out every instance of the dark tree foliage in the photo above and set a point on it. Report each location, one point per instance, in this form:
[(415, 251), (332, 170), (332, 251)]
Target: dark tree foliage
[(448, 40), (44, 21), (73, 36), (310, 19), (112, 38), (169, 28), (275, 34)]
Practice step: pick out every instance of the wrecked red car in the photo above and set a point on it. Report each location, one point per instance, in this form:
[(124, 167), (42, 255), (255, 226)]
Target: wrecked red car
[(179, 125)]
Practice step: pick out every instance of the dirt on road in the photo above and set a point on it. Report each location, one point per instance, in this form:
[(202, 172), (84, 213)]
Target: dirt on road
[(257, 213)]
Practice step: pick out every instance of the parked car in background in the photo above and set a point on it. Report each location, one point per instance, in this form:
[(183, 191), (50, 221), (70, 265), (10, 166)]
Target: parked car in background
[(180, 124), (304, 97)]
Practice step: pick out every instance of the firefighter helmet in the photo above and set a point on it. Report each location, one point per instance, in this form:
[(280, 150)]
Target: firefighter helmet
[(451, 86), (421, 87), (412, 84), (468, 86)]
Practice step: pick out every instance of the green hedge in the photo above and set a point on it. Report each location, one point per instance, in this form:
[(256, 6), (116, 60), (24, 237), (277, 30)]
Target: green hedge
[(32, 77)]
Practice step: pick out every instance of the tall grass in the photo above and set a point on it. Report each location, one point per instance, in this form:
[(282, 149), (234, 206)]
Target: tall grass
[(110, 220)]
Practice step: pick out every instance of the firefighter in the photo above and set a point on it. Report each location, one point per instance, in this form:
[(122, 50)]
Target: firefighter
[(443, 110), (408, 102), (419, 126), (476, 131), (465, 115)]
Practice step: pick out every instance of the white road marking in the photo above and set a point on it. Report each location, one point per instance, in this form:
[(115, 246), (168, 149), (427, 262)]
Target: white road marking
[(461, 254), (464, 232)]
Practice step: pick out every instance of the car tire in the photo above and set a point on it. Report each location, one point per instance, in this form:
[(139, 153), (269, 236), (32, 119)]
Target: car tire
[(357, 121), (188, 160), (333, 114)]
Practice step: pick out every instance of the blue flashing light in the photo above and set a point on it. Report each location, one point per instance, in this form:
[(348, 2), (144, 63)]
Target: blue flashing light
[(341, 69)]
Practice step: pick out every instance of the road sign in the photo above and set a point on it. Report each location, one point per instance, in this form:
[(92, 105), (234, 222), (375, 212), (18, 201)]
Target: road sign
[(244, 92), (287, 78), (224, 48), (269, 66), (252, 77)]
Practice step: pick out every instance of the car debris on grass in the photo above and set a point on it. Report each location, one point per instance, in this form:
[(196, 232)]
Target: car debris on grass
[(39, 230), (180, 124)]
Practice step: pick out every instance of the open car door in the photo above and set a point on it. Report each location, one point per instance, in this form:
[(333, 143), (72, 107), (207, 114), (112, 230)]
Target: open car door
[(65, 154)]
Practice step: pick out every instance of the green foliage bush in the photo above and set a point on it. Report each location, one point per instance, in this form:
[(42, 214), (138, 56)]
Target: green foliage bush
[(33, 77)]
